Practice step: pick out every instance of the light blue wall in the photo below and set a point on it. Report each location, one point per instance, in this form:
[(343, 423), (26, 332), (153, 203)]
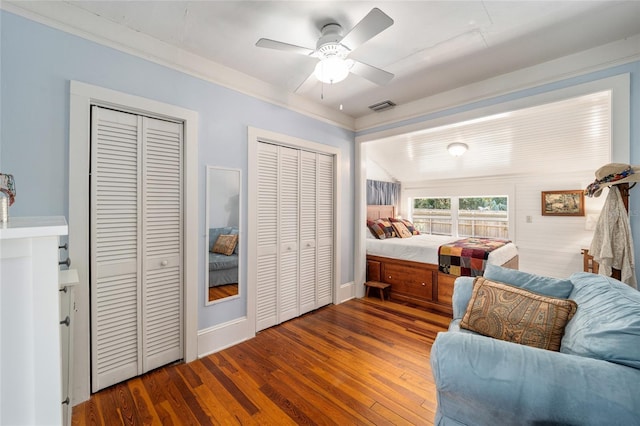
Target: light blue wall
[(632, 68), (37, 63)]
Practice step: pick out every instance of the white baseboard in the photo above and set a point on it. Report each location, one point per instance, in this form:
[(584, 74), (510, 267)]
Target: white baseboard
[(346, 292), (219, 337)]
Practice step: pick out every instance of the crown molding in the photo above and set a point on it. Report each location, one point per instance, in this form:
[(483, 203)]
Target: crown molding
[(91, 27), (602, 57)]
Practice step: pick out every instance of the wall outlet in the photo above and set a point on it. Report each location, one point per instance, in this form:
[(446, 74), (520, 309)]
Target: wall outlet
[(529, 219)]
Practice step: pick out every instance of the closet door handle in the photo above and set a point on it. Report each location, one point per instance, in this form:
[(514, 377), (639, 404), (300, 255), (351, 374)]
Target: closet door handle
[(164, 263)]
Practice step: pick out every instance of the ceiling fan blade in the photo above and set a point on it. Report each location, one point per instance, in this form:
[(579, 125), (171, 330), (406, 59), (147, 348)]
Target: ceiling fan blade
[(308, 84), (371, 73), (371, 25), (278, 45)]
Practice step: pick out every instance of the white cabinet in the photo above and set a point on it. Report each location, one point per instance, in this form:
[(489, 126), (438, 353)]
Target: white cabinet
[(30, 367)]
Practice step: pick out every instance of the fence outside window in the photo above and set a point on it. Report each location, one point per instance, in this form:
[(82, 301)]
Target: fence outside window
[(477, 221)]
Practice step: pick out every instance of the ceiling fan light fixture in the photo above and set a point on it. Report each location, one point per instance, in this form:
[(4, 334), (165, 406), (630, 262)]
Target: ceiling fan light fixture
[(457, 148), (332, 70)]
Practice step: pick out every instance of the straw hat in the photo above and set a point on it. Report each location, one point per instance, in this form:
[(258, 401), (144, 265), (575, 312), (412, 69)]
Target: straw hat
[(612, 174)]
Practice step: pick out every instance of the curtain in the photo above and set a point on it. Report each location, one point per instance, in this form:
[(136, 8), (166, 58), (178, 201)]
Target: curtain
[(382, 193)]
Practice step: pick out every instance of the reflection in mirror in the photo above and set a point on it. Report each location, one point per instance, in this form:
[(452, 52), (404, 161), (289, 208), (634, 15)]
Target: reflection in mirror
[(223, 233)]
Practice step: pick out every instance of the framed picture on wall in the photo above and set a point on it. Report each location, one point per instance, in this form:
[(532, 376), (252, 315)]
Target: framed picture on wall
[(563, 203)]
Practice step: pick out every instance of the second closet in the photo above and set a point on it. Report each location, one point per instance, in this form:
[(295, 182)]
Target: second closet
[(295, 233)]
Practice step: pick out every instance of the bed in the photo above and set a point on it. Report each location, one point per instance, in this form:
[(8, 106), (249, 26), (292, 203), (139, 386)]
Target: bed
[(410, 265)]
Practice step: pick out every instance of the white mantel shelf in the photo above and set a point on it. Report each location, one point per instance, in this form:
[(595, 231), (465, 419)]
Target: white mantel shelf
[(32, 227)]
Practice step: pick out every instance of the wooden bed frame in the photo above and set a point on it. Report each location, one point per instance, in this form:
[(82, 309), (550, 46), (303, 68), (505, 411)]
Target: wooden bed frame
[(414, 282)]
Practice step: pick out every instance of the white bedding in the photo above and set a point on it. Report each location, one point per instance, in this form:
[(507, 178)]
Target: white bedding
[(424, 248)]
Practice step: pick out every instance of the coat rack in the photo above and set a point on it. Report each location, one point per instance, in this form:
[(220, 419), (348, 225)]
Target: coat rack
[(591, 265)]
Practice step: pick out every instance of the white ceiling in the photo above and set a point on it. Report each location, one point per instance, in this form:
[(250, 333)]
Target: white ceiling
[(562, 137), (432, 47)]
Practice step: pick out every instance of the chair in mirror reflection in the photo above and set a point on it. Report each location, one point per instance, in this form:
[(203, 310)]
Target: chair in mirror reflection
[(223, 233)]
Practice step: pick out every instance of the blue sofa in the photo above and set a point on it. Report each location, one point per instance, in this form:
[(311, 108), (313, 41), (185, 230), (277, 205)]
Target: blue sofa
[(223, 269), (593, 380)]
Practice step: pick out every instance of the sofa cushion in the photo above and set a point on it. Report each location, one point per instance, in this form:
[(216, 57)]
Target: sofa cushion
[(548, 286), (607, 323), (218, 262), (225, 244), (516, 315)]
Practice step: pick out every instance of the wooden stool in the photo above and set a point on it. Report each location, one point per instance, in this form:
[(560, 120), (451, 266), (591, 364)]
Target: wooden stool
[(377, 284)]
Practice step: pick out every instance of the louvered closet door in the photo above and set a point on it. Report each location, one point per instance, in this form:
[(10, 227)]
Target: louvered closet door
[(325, 229), (115, 242), (162, 243), (136, 245), (267, 238), (308, 172), (288, 227)]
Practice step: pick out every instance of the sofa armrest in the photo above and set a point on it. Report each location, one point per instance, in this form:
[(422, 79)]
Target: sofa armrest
[(486, 381), (462, 288)]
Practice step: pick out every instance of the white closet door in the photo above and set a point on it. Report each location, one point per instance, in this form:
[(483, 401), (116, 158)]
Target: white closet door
[(288, 225), (325, 229), (162, 243), (115, 242), (267, 238), (136, 245), (308, 222)]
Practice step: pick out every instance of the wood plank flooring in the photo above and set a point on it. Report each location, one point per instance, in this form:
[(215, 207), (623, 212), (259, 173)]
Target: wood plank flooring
[(222, 291), (360, 362)]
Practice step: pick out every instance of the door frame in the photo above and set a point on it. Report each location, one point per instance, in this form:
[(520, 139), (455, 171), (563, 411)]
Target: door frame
[(81, 97)]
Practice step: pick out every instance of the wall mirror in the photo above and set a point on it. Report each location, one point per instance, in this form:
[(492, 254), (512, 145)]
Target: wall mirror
[(222, 268)]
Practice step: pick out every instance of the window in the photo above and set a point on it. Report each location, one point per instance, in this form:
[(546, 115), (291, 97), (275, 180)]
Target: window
[(469, 217), (483, 217), (432, 215)]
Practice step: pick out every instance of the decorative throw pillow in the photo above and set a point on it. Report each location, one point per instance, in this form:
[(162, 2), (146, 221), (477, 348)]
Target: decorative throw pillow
[(401, 230), (389, 231), (376, 230), (410, 226), (510, 313), (225, 244)]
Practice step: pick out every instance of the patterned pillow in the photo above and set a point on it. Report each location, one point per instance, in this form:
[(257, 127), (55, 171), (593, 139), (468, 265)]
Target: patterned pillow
[(401, 230), (376, 230), (225, 244), (410, 226), (516, 315), (389, 231)]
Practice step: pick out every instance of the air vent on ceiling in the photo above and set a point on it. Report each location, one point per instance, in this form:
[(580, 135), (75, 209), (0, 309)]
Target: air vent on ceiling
[(381, 106)]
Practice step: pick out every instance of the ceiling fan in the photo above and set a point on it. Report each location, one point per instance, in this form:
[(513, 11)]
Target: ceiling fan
[(333, 49)]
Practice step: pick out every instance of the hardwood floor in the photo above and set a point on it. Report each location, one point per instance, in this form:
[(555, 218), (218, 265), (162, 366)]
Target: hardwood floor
[(360, 362), (222, 291)]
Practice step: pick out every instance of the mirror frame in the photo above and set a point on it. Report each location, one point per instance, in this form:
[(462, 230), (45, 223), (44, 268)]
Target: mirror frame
[(210, 170)]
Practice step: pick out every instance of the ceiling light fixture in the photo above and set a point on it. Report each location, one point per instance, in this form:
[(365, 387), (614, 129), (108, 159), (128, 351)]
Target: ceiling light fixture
[(332, 69), (457, 148)]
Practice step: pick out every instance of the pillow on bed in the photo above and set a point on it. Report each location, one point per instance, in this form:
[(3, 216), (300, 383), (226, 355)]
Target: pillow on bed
[(376, 230), (385, 225), (401, 230), (410, 226)]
